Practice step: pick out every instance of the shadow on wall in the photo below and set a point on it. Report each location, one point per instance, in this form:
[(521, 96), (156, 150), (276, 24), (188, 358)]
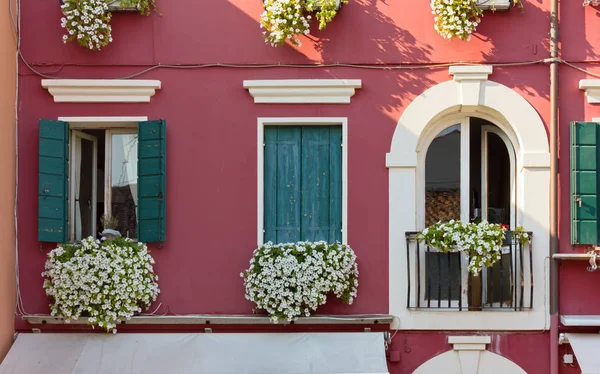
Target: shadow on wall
[(389, 42), (540, 49)]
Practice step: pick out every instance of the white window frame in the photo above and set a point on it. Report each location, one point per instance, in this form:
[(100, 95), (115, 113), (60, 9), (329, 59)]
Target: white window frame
[(111, 125), (470, 93), (465, 157), (299, 121)]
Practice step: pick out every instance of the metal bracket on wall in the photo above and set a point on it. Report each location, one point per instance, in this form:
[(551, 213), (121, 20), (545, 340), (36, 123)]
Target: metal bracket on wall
[(592, 255), (562, 338)]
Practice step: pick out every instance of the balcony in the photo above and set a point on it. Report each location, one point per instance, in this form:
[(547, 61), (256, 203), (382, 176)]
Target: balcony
[(439, 280)]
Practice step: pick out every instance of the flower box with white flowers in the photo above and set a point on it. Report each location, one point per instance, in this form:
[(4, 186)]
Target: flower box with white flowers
[(459, 18), (288, 19), (291, 280), (88, 21), (100, 281), (481, 242)]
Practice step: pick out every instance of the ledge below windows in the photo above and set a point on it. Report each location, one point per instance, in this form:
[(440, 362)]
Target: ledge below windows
[(225, 319)]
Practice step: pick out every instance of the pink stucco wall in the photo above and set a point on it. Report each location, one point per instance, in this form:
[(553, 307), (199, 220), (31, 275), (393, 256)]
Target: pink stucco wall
[(211, 207)]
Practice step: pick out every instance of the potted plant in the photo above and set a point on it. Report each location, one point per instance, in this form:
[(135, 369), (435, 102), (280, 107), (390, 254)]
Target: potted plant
[(88, 21), (110, 225), (287, 19), (104, 281), (293, 279)]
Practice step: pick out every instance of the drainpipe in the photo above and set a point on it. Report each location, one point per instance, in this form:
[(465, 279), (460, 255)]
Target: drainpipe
[(554, 364)]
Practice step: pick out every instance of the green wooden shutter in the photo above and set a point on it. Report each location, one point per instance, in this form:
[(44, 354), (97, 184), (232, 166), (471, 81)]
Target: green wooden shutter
[(303, 183), (152, 181), (584, 183), (53, 181), (282, 183), (321, 183)]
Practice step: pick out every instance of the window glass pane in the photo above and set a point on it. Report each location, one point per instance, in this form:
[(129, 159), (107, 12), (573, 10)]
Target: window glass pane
[(124, 182), (498, 180), (499, 291), (83, 178), (442, 177)]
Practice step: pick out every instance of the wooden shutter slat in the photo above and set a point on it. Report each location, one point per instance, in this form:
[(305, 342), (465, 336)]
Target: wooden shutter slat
[(53, 179), (584, 182), (152, 181)]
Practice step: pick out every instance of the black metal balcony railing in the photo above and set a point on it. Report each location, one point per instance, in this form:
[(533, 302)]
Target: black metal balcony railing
[(439, 280)]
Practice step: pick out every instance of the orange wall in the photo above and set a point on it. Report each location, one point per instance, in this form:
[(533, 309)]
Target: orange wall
[(7, 178)]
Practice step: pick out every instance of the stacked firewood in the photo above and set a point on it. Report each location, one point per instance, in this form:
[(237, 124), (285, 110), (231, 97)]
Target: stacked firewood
[(441, 205)]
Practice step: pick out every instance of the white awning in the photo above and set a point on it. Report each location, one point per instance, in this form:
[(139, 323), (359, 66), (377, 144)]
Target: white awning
[(586, 348), (212, 353)]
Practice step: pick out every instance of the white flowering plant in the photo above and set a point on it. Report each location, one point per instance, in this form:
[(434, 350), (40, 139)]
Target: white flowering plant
[(88, 21), (456, 18), (293, 279), (104, 281), (482, 242), (287, 19)]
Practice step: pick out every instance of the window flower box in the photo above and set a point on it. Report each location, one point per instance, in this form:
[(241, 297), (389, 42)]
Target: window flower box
[(339, 4), (495, 5), (118, 6), (285, 20)]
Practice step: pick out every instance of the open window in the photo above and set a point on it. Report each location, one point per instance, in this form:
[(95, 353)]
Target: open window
[(469, 175), (87, 172)]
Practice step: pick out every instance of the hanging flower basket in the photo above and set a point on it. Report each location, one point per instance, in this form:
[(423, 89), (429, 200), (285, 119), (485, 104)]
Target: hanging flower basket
[(288, 19), (294, 279), (102, 281)]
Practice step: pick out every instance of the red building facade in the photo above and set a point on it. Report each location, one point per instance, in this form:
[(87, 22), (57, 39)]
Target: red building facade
[(382, 73)]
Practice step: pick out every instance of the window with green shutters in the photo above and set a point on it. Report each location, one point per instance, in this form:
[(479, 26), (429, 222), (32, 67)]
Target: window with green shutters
[(85, 173), (584, 182), (302, 183)]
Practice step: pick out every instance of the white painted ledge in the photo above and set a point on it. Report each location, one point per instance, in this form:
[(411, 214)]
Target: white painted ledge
[(224, 319), (303, 91), (470, 72), (101, 90), (592, 89), (580, 321)]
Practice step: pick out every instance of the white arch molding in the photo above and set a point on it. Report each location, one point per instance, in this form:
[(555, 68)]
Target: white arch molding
[(469, 357), (469, 94)]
